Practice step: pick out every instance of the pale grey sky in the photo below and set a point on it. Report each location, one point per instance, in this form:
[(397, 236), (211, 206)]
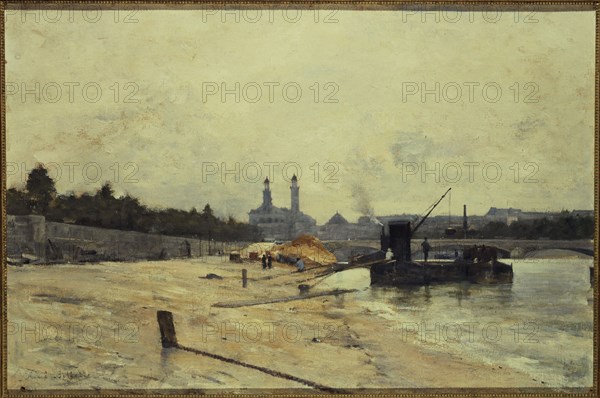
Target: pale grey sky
[(383, 96)]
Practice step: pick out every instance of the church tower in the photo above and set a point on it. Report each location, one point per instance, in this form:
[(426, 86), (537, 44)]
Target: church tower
[(267, 201), (295, 195)]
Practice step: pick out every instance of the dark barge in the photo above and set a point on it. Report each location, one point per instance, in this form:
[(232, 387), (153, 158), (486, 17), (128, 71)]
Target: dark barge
[(478, 264)]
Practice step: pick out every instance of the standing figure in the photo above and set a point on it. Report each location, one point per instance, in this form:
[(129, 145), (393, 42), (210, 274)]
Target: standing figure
[(269, 261), (389, 255), (426, 247), (263, 259), (300, 264)]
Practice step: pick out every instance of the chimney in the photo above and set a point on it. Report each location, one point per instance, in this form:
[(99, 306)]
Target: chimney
[(465, 226)]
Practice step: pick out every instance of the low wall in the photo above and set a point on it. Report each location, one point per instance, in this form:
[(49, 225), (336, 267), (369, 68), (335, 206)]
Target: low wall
[(349, 231), (26, 234), (58, 241)]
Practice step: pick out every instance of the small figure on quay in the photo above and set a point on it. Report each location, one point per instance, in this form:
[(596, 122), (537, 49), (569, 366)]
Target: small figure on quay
[(300, 264), (389, 255), (426, 248), (188, 249), (263, 259), (269, 261)]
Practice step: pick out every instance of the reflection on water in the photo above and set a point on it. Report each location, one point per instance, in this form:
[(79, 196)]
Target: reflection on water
[(542, 323)]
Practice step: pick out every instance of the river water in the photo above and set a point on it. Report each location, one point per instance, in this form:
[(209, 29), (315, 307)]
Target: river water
[(541, 324)]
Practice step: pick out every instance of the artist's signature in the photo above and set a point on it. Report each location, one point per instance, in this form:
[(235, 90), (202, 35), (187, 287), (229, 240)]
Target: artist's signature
[(74, 374)]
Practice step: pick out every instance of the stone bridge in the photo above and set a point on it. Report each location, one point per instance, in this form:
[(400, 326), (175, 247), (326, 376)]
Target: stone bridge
[(513, 248)]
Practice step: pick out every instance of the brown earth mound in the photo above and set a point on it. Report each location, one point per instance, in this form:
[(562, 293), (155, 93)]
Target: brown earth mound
[(308, 248), (259, 248)]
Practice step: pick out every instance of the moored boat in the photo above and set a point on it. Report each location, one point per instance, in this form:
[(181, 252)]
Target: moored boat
[(490, 272), (398, 273), (477, 264)]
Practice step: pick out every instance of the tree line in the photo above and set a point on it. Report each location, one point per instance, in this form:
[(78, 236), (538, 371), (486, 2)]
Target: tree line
[(102, 209), (563, 227)]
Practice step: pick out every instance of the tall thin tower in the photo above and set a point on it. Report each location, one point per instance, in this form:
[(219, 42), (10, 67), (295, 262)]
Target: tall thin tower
[(267, 200), (295, 194)]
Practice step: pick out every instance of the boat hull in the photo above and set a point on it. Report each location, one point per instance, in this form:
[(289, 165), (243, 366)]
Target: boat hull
[(424, 273)]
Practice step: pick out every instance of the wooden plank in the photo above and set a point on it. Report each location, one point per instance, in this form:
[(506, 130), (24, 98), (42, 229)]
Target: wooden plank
[(167, 329), (236, 304), (331, 271)]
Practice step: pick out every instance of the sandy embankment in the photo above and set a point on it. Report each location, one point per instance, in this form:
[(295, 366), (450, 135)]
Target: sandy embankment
[(106, 336)]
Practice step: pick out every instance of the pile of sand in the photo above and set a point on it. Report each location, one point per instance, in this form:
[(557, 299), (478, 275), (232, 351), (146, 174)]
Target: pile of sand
[(259, 247), (306, 247)]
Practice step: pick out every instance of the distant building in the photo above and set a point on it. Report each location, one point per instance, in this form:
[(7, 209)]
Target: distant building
[(280, 223), (507, 216), (338, 228), (337, 219), (511, 215)]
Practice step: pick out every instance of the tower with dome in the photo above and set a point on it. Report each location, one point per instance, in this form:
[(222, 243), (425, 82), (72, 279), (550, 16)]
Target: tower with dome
[(281, 223)]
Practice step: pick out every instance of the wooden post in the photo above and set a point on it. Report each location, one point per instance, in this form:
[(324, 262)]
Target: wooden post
[(167, 329), (303, 289), (244, 278)]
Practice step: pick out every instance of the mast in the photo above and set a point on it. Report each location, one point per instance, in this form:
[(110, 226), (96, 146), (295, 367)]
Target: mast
[(429, 212)]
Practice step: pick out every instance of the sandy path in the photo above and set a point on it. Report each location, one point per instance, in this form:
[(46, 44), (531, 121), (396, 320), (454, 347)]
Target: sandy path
[(94, 326)]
